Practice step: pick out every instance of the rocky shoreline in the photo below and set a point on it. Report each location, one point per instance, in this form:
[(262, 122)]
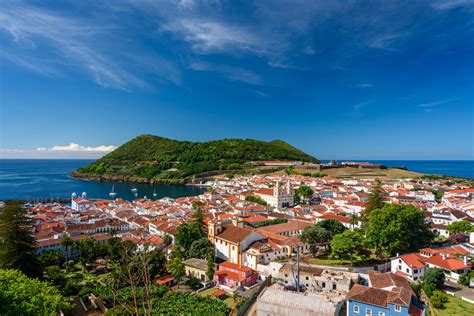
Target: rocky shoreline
[(101, 178)]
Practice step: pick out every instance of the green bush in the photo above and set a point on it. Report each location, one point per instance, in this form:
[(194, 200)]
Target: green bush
[(438, 299)]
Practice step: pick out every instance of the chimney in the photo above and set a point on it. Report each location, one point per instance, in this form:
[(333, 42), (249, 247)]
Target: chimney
[(398, 255), (443, 256), (465, 260)]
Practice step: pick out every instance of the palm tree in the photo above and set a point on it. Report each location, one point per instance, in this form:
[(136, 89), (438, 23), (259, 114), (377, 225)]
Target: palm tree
[(354, 218), (67, 242)]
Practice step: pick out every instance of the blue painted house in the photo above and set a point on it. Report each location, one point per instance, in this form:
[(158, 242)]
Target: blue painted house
[(387, 294)]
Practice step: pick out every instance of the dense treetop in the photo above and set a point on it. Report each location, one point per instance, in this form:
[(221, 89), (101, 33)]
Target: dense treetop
[(156, 158)]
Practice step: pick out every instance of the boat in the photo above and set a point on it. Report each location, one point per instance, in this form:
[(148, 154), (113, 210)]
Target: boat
[(112, 193), (154, 193), (134, 190)]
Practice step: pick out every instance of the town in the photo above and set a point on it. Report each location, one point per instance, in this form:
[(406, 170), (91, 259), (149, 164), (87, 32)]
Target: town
[(276, 244)]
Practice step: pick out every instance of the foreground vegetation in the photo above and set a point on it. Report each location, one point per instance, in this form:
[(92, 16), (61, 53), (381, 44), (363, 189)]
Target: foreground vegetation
[(454, 306), (117, 272), (150, 158)]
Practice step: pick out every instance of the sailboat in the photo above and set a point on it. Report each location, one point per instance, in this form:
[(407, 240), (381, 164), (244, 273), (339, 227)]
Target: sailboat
[(112, 193), (154, 193), (134, 190)]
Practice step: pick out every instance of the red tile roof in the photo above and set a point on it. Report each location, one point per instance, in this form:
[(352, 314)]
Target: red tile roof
[(448, 263)]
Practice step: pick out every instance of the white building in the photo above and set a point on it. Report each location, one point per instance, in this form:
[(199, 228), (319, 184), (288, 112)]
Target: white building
[(279, 197)]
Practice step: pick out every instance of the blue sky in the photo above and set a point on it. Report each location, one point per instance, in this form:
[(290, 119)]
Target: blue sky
[(343, 80)]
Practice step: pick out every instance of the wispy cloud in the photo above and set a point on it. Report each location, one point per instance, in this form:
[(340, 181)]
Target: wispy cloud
[(357, 108), (217, 36), (230, 72), (365, 85), (451, 4), (73, 43), (436, 103), (387, 41)]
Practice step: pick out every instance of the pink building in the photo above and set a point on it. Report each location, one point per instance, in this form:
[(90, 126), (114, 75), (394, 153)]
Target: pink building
[(233, 275)]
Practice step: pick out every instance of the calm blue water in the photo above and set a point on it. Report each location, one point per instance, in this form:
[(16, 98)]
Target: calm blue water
[(460, 168), (28, 179)]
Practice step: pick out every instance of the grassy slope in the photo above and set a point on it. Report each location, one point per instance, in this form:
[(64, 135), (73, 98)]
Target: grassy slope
[(455, 306), (366, 173)]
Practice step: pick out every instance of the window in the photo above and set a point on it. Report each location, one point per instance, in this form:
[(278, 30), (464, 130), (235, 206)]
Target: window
[(408, 270), (356, 309), (324, 284), (334, 286), (381, 314), (415, 271), (398, 308), (368, 312), (307, 278)]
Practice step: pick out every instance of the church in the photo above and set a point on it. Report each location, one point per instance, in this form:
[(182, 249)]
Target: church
[(280, 196)]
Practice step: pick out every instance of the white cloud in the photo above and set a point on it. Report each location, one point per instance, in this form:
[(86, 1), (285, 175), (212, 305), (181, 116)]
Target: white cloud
[(71, 151), (77, 147)]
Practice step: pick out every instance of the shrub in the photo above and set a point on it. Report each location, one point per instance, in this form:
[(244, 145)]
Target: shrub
[(438, 299)]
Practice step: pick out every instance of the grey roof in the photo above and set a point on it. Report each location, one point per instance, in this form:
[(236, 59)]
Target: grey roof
[(197, 263)]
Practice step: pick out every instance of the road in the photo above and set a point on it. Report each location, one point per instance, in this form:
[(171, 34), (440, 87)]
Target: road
[(459, 290)]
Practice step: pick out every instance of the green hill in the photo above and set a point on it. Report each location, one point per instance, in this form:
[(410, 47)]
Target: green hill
[(149, 158)]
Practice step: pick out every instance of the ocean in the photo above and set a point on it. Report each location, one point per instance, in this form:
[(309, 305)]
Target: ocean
[(49, 179)]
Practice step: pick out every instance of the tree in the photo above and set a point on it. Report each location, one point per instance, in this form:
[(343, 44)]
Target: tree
[(332, 226), (460, 227), (156, 262), (347, 244), (167, 240), (49, 258), (376, 199), (255, 199), (17, 240), (175, 265), (201, 248), (210, 266), (198, 220), (433, 279), (353, 220), (305, 191), (315, 235), (464, 279), (88, 248), (67, 243), (187, 234), (20, 295), (397, 228), (296, 198)]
